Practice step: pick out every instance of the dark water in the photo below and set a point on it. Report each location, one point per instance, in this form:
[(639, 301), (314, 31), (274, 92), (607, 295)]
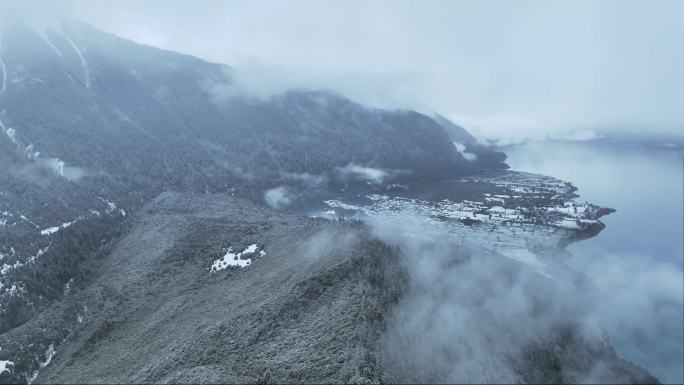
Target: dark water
[(637, 261)]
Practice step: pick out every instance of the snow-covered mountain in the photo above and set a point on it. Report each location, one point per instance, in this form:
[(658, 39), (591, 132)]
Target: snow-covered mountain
[(92, 125), (85, 103), (135, 245)]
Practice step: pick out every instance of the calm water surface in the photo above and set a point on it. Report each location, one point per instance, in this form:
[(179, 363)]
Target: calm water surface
[(637, 261)]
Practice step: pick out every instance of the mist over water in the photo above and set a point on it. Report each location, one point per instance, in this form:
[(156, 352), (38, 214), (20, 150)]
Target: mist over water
[(636, 262)]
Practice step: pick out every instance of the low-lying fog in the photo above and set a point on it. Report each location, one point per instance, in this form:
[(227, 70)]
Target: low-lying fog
[(637, 260)]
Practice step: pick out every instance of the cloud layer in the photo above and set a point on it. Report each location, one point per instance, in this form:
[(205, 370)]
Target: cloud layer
[(469, 313), (504, 70)]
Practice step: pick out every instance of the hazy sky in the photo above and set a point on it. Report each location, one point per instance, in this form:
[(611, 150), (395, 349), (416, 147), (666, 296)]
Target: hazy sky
[(503, 69)]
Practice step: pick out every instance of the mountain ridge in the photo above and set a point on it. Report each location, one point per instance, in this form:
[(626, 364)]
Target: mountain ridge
[(133, 175), (138, 98)]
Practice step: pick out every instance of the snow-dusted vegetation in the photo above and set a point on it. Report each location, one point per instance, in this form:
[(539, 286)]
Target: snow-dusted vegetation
[(140, 189)]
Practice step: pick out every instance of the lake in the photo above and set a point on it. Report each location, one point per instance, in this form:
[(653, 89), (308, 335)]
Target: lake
[(637, 261)]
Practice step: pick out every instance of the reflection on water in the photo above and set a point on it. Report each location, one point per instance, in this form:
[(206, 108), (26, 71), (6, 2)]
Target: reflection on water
[(637, 261)]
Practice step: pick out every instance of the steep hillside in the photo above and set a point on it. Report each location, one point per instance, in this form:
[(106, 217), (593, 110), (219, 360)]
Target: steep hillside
[(485, 156), (213, 289), (86, 103), (93, 126), (154, 310)]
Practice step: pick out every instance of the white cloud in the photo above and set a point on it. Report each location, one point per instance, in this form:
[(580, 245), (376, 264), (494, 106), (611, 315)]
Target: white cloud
[(279, 197), (510, 71), (306, 179), (639, 301), (462, 298), (461, 148), (355, 172)]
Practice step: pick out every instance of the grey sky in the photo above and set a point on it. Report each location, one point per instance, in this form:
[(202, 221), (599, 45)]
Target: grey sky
[(503, 69)]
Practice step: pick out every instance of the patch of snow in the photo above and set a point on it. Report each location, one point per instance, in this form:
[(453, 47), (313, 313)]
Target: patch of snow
[(572, 223), (12, 291), (520, 189), (497, 200), (52, 230), (84, 63), (32, 155), (10, 132), (6, 267), (329, 214), (505, 225), (49, 354), (111, 207), (250, 249), (27, 220), (569, 209), (49, 230), (4, 366), (502, 210), (472, 203), (81, 316), (232, 259), (67, 286), (49, 43), (337, 203), (38, 254)]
